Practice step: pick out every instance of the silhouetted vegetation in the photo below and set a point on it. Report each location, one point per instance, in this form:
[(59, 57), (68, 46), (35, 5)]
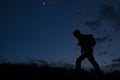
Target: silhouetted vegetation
[(33, 71)]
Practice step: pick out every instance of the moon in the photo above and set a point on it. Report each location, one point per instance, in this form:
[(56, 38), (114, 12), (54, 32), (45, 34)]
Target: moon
[(43, 3)]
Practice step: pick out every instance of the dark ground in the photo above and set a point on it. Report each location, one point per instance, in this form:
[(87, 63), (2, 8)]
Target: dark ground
[(10, 71)]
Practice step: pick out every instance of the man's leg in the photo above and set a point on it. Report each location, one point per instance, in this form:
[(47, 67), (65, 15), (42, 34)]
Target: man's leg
[(99, 74), (93, 62), (78, 62)]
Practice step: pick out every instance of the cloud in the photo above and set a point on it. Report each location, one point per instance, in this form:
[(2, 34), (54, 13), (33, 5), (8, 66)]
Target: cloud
[(105, 38), (101, 39), (116, 60), (93, 24), (109, 46), (115, 64), (102, 53), (107, 14), (111, 14)]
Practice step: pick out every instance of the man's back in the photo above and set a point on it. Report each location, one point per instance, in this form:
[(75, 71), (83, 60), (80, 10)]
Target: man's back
[(86, 41)]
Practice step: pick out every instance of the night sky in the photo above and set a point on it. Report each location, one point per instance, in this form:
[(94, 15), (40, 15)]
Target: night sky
[(42, 29)]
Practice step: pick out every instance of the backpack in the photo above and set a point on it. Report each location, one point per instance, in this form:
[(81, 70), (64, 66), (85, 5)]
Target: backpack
[(90, 40), (87, 41)]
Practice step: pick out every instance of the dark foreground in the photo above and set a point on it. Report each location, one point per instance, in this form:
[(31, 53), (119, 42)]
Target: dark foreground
[(32, 72)]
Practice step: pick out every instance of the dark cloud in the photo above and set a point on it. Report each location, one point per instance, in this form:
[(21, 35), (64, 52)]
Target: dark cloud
[(111, 14), (116, 60), (93, 24), (110, 40), (106, 38), (109, 46), (102, 53), (115, 65), (107, 13), (101, 39)]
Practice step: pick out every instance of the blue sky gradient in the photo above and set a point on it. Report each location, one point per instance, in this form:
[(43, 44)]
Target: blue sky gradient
[(33, 30)]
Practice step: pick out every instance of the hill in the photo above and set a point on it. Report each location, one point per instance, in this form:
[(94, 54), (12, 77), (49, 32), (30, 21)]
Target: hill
[(9, 71)]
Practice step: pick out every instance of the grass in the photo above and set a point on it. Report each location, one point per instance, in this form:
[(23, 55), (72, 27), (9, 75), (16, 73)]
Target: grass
[(15, 71)]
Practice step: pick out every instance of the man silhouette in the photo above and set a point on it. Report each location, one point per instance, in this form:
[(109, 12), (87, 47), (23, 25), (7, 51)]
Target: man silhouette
[(86, 42)]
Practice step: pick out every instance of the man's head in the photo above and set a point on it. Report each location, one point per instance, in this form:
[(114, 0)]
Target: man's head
[(77, 33)]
